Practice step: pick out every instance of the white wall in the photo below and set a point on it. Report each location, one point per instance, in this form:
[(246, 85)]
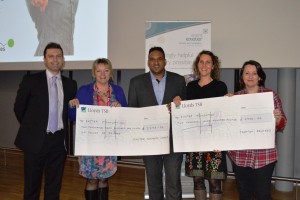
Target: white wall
[(267, 31)]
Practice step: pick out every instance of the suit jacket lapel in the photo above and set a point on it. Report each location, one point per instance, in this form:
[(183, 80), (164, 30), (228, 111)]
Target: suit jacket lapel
[(44, 86), (63, 80), (168, 88), (149, 87)]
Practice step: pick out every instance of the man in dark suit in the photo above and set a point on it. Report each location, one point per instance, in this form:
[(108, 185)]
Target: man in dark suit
[(44, 147), (155, 88)]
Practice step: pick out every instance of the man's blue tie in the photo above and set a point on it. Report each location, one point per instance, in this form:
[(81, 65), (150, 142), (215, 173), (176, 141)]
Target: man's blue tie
[(53, 115)]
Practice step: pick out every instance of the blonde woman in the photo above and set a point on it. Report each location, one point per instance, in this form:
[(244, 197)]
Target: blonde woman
[(101, 92)]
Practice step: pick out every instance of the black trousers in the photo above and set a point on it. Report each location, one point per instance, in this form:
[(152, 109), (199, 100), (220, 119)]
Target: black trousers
[(254, 182), (50, 161)]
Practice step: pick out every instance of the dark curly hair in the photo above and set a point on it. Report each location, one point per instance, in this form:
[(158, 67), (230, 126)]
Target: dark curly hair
[(215, 72)]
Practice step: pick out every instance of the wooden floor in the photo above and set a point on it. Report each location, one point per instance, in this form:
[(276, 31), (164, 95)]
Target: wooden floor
[(127, 184)]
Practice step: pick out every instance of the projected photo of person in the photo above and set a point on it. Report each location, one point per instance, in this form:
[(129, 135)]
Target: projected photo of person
[(54, 21)]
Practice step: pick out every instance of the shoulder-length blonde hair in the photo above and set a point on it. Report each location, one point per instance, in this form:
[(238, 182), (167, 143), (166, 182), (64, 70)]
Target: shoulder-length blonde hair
[(104, 61)]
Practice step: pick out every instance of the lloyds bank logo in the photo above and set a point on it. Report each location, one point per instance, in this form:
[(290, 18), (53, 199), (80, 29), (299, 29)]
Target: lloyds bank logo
[(83, 109)]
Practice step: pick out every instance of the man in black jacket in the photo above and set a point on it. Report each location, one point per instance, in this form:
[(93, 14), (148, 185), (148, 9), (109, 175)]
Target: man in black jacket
[(44, 148)]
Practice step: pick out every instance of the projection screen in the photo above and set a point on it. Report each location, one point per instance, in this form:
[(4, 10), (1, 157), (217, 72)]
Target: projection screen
[(26, 27)]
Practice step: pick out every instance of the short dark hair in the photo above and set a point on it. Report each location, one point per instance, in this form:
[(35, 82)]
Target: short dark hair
[(53, 45), (156, 49), (260, 72)]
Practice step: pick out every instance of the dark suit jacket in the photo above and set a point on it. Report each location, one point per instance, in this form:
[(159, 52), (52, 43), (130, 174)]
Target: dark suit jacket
[(32, 110), (141, 92)]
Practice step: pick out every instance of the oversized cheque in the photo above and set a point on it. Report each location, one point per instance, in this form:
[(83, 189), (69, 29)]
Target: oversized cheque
[(122, 131), (224, 123)]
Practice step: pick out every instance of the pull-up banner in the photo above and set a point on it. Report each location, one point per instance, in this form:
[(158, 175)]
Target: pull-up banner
[(181, 41)]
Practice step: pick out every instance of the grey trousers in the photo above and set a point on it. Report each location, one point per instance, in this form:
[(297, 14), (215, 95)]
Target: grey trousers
[(154, 171)]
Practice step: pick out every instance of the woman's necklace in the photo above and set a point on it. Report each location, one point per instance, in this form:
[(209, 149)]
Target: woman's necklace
[(102, 95)]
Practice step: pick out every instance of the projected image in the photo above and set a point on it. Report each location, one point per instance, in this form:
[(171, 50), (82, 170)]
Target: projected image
[(54, 21), (27, 26)]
